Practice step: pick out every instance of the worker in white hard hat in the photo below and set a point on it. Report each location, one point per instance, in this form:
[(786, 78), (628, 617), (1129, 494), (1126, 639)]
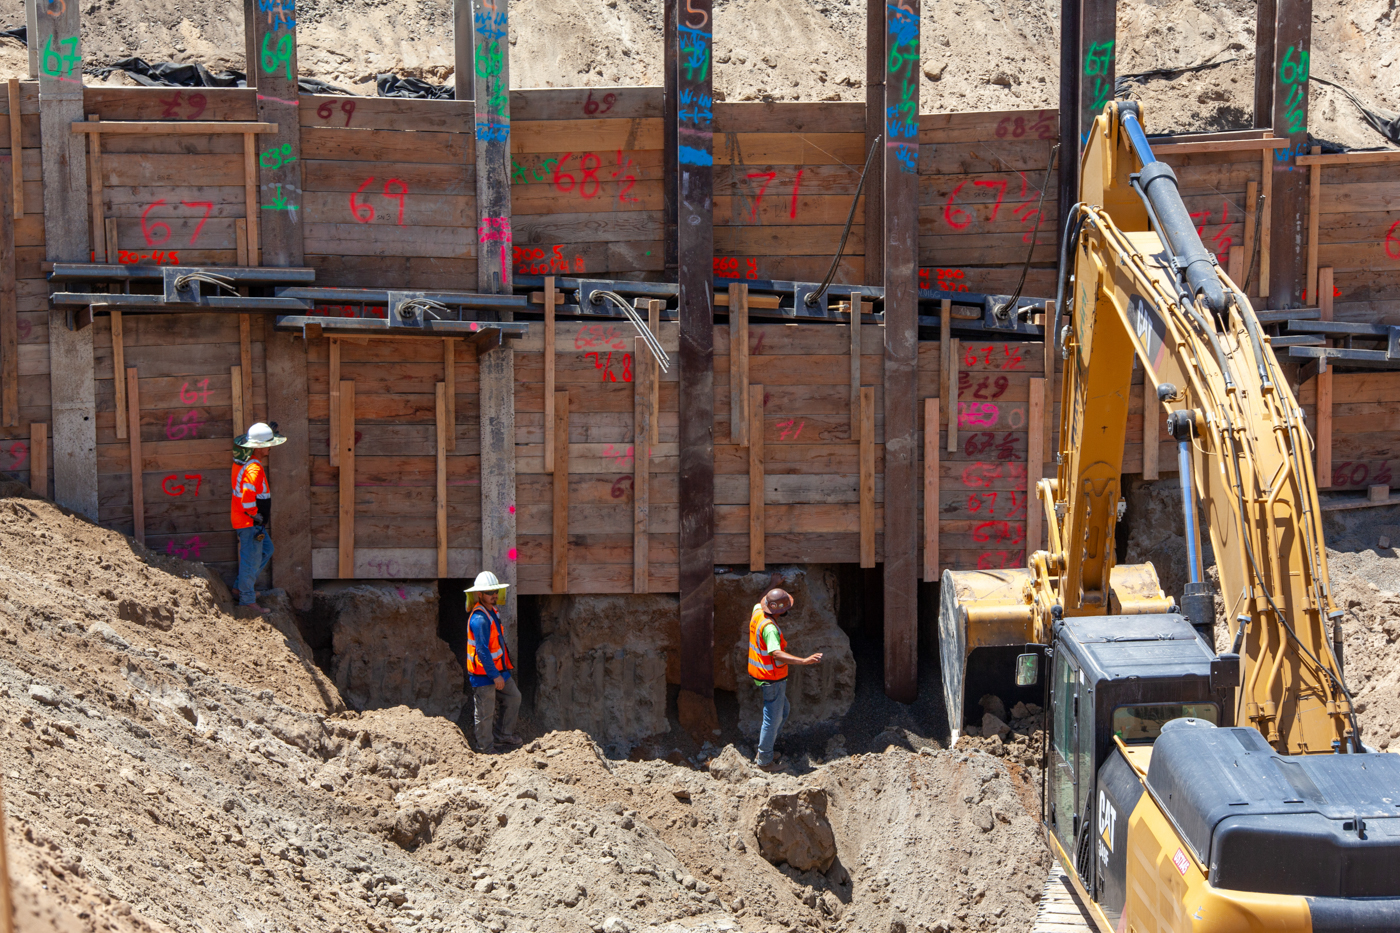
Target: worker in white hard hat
[(489, 667), (251, 509)]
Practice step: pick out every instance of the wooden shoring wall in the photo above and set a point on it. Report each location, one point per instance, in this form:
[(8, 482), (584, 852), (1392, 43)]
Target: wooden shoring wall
[(395, 446), (785, 174), (184, 365), (30, 290), (1359, 237), (586, 182), (390, 196)]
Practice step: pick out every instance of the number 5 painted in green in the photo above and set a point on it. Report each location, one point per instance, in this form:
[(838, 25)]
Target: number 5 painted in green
[(272, 60)]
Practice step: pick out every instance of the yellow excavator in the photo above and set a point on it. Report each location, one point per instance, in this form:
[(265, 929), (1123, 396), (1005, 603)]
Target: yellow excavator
[(1185, 788)]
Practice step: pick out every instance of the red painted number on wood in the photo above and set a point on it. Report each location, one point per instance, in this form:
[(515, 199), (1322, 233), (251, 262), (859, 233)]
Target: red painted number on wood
[(189, 550), (176, 485), (606, 363), (621, 487), (327, 110), (190, 397), (196, 103), (1392, 241), (793, 426)]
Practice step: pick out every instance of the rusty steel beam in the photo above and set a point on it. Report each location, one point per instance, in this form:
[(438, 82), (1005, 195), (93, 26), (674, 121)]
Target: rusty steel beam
[(1289, 212), (900, 193), (689, 44)]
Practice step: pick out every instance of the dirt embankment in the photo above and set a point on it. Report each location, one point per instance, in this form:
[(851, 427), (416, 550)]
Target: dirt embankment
[(977, 54), (168, 765)]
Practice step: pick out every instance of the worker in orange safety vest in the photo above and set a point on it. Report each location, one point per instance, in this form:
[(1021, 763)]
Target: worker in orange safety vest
[(489, 667), (768, 666), (251, 509)]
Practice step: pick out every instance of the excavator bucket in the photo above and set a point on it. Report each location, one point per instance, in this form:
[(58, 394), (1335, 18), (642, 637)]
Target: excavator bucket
[(985, 620)]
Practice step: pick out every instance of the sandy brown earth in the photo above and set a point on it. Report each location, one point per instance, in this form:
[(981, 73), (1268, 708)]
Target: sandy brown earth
[(169, 765), (977, 54)]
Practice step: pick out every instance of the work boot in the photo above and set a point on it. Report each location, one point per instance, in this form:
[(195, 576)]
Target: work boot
[(254, 608), (514, 741)]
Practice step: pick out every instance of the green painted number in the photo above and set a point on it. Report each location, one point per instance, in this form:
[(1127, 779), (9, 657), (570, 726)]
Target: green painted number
[(60, 66), (273, 59)]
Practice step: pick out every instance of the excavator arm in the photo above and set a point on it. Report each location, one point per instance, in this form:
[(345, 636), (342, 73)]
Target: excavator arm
[(1138, 288)]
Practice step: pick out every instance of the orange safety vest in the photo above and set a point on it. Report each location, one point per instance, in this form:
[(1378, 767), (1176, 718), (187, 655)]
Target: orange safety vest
[(249, 485), (499, 657), (762, 666)]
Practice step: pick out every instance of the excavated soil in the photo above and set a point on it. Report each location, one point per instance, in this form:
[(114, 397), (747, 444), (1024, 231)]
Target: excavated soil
[(977, 54), (169, 765)]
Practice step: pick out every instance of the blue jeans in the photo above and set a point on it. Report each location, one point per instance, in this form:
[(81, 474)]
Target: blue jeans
[(253, 557), (775, 712)]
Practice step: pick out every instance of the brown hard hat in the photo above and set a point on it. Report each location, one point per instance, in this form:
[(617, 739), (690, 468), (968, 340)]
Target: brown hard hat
[(777, 598)]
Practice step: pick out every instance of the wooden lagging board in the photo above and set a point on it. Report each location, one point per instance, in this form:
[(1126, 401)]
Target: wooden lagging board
[(586, 183), (30, 288), (395, 459), (390, 192), (785, 176), (185, 367), (1359, 237)]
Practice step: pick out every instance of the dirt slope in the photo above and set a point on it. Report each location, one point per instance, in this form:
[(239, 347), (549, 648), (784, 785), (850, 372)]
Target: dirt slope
[(176, 767), (978, 54)]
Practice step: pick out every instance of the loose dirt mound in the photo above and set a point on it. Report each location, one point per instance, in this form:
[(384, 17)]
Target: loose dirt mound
[(168, 765), (977, 54)]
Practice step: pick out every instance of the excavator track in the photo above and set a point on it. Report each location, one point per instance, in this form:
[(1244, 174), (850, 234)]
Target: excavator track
[(1061, 910)]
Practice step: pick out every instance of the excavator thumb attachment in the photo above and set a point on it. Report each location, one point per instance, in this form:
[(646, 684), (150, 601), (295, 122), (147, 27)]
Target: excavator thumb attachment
[(985, 620)]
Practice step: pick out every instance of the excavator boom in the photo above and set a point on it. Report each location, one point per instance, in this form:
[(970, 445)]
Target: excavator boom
[(1187, 787)]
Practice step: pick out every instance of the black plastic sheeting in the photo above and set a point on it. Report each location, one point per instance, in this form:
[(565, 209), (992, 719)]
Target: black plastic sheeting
[(18, 33), (394, 86), (175, 74), (1385, 122)]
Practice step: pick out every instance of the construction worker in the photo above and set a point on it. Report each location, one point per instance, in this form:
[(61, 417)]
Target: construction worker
[(489, 667), (768, 666), (251, 509)]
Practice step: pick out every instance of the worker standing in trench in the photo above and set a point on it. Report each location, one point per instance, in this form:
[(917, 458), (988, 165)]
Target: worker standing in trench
[(489, 667), (251, 510), (768, 666)]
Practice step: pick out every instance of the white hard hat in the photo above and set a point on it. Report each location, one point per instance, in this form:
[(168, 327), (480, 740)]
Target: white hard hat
[(485, 581), (260, 435)]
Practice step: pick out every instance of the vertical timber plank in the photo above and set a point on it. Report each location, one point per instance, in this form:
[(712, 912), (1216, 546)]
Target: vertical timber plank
[(119, 366), (1251, 268), (953, 395), (496, 394), (347, 481), (549, 351), (245, 362), (901, 260), (654, 308), (138, 496), (945, 357), (1324, 388), (1266, 225), (99, 226), (758, 522), (335, 402), (9, 296), (689, 52), (1097, 39), (739, 364), (449, 378), (855, 368), (559, 551), (931, 507), (642, 367), (1234, 266), (240, 240), (444, 429), (113, 254), (15, 183), (250, 201), (1314, 209), (39, 458), (64, 157), (1035, 463), (240, 413), (867, 477)]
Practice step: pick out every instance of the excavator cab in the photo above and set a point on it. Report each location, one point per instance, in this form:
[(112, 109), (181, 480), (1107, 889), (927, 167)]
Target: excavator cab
[(1117, 679)]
